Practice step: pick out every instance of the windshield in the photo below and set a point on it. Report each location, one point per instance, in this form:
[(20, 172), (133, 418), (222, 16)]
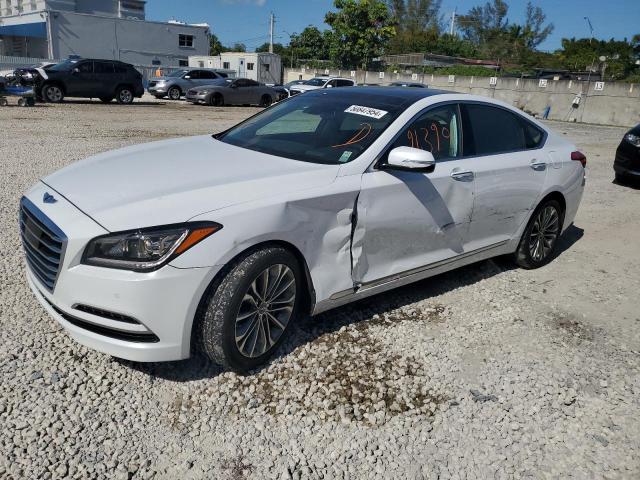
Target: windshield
[(316, 82), (63, 66), (177, 73), (318, 127)]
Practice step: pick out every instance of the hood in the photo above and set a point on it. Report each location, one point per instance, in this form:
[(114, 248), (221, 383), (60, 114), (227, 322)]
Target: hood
[(305, 88), (175, 180)]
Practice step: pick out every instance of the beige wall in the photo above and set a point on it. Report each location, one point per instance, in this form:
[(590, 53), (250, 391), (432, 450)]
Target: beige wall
[(616, 104)]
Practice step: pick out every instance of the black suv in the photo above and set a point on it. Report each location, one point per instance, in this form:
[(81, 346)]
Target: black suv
[(87, 78)]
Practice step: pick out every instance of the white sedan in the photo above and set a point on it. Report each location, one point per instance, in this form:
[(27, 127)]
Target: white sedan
[(224, 241)]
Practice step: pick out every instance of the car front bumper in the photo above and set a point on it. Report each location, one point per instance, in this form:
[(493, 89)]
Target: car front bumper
[(158, 90), (196, 97), (144, 317)]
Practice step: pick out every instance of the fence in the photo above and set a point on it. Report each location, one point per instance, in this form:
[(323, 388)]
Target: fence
[(604, 103)]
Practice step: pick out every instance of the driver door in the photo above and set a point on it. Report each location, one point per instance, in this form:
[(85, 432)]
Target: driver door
[(81, 80), (407, 220)]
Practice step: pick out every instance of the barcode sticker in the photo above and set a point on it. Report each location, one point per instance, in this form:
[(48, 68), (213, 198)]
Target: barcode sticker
[(366, 111)]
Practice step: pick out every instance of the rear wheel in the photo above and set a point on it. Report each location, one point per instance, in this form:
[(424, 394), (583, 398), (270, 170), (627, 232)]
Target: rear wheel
[(266, 101), (174, 93), (124, 95), (247, 316), (52, 93), (540, 238)]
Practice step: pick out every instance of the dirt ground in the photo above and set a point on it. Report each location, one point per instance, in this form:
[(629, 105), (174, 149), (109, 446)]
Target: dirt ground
[(487, 372)]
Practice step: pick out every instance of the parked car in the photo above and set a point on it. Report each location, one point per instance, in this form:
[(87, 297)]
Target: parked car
[(627, 161), (321, 82), (408, 84), (89, 78), (241, 91), (176, 84), (329, 197), (30, 77)]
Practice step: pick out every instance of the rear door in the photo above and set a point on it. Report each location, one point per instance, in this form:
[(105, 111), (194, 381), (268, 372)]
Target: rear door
[(408, 220), (105, 79), (206, 77), (509, 166)]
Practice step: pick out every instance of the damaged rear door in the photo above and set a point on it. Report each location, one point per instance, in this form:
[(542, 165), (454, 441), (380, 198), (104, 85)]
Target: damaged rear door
[(407, 220)]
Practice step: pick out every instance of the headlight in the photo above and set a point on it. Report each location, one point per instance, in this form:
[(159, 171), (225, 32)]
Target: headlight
[(632, 139), (146, 249), (202, 92)]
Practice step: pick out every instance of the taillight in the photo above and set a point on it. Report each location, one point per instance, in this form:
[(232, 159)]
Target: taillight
[(579, 156)]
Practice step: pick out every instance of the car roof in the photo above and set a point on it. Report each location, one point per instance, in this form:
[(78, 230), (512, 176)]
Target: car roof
[(410, 94)]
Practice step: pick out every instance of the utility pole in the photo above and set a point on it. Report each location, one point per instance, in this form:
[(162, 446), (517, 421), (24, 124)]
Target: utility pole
[(272, 19), (453, 22)]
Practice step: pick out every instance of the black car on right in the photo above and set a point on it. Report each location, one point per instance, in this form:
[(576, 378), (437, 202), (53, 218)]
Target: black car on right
[(627, 162)]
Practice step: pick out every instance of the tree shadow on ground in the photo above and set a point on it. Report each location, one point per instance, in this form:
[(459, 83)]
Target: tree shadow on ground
[(309, 328)]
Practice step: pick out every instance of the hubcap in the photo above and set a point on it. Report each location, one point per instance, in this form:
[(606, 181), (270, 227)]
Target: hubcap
[(125, 96), (544, 233), (174, 94), (54, 94), (265, 311)]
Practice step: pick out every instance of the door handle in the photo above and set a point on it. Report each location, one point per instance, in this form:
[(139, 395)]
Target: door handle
[(538, 166), (462, 175)]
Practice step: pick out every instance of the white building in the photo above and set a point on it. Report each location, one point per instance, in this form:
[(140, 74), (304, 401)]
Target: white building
[(112, 29), (262, 67)]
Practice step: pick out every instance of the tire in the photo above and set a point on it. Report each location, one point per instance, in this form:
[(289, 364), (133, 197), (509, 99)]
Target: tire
[(216, 100), (538, 246), (266, 101), (52, 93), (233, 326), (621, 178), (106, 99), (124, 95), (174, 93)]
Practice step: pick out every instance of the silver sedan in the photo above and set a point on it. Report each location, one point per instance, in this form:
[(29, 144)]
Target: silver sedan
[(241, 91)]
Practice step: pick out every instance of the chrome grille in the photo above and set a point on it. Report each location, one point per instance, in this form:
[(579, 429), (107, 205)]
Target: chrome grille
[(43, 244)]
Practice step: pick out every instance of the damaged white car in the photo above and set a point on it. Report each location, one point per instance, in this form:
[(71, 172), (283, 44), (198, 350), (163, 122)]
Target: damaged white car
[(225, 241)]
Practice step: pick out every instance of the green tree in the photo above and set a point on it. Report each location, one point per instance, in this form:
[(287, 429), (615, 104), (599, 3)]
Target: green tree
[(238, 47), (584, 54), (360, 31), (310, 44), (417, 25), (484, 22), (535, 31), (215, 46)]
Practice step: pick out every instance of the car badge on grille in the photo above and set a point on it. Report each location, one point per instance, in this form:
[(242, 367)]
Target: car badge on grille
[(48, 198)]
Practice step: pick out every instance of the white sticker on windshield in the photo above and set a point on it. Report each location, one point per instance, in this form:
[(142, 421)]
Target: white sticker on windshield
[(366, 111)]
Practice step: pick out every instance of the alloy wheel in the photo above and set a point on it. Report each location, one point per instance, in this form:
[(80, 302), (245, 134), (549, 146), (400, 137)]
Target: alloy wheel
[(544, 233), (174, 94), (54, 94), (126, 96), (265, 310)]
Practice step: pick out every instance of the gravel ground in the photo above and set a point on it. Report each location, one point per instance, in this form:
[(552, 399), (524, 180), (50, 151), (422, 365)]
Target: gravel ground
[(485, 372)]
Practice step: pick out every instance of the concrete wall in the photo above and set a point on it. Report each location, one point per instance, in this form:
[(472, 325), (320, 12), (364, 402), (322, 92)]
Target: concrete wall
[(132, 41), (616, 104)]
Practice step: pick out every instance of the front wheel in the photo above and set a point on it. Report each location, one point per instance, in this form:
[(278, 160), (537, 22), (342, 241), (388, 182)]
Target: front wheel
[(52, 94), (174, 93), (540, 239), (266, 101), (216, 100), (247, 316)]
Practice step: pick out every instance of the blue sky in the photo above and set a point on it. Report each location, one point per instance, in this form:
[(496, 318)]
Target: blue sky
[(247, 21)]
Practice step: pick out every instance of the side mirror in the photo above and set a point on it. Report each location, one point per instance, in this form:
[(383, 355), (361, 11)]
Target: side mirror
[(75, 71), (187, 77), (329, 86), (410, 159), (234, 85)]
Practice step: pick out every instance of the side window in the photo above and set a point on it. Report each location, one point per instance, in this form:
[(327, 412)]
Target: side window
[(207, 75), (436, 130), (194, 74), (103, 68), (491, 130), (252, 83), (120, 68), (533, 136), (86, 67), (345, 83), (332, 83)]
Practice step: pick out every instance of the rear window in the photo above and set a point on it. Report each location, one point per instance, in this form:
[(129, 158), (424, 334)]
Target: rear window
[(492, 130), (318, 127)]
